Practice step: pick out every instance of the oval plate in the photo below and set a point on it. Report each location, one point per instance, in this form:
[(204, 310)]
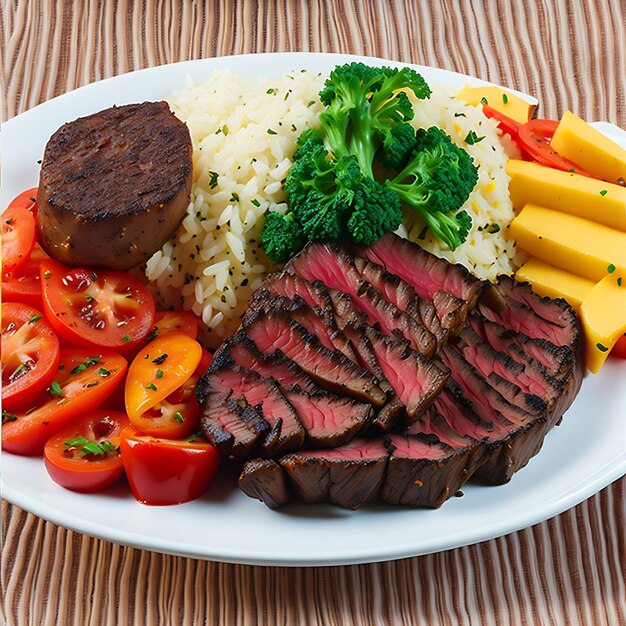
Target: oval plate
[(580, 457)]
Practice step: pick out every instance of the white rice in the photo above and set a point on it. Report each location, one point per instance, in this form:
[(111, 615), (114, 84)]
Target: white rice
[(244, 135)]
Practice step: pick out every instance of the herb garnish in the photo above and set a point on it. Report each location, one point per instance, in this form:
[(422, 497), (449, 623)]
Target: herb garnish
[(85, 447), (55, 389), (126, 338), (8, 417), (604, 192), (505, 98), (160, 359), (34, 318), (601, 347), (159, 373), (213, 180), (152, 387), (81, 367), (611, 268), (178, 417), (473, 138)]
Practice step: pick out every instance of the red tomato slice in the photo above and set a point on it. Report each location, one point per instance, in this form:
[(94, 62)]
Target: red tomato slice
[(18, 237), (96, 308), (28, 200), (163, 471), (535, 138), (505, 123), (30, 354), (178, 415), (24, 285), (85, 456), (619, 349), (175, 322), (159, 369), (83, 380)]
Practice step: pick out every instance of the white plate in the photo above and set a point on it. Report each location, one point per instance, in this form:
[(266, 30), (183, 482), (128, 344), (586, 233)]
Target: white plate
[(580, 457)]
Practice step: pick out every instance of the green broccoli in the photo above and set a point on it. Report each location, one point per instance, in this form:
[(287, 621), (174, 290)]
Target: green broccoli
[(364, 110), (435, 182), (282, 236)]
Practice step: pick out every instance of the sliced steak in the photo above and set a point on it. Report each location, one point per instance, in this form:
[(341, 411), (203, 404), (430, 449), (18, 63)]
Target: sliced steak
[(425, 272), (505, 374), (552, 362), (114, 185), (330, 369), (423, 472), (289, 284), (517, 307), (329, 419), (264, 480), (402, 295), (335, 268), (351, 476), (234, 428), (227, 379), (515, 435)]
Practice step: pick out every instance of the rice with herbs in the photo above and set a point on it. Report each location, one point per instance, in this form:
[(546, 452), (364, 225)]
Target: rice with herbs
[(244, 135)]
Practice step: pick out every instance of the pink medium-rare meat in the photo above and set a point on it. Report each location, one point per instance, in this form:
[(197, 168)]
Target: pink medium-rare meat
[(335, 268), (328, 419), (114, 185), (225, 379), (289, 284), (423, 271), (330, 369)]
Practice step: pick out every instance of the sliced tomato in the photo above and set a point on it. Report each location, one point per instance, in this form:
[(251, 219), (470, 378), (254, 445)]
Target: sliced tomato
[(30, 354), (175, 322), (505, 123), (96, 308), (85, 456), (535, 138), (178, 415), (24, 285), (619, 349), (18, 237), (28, 200), (83, 380), (166, 471), (159, 369)]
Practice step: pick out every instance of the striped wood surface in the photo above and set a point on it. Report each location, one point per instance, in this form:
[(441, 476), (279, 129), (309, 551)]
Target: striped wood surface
[(568, 570)]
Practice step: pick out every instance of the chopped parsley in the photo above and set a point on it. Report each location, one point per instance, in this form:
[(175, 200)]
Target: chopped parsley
[(126, 338), (152, 387), (234, 197), (34, 318), (81, 367), (493, 228), (619, 281), (271, 132), (484, 100), (505, 98), (611, 268), (55, 389), (94, 277), (255, 202), (8, 417), (104, 372), (85, 447), (179, 417), (460, 115), (473, 138), (195, 437), (159, 373), (213, 180), (604, 192), (601, 347)]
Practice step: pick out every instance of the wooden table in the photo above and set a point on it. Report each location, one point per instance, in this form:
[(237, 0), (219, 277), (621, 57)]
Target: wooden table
[(568, 570)]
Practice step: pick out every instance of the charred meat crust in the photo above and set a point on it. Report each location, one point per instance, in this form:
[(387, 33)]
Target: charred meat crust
[(114, 185)]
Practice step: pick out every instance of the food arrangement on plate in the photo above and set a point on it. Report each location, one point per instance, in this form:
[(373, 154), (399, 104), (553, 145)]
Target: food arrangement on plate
[(347, 247)]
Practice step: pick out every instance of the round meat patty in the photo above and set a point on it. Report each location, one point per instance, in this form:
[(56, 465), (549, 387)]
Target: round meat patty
[(114, 185)]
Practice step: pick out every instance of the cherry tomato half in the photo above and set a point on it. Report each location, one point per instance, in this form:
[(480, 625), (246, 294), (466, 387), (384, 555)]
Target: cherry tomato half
[(18, 237), (159, 369), (28, 200), (30, 354), (85, 456), (83, 380), (96, 308), (23, 285), (178, 415), (535, 138), (165, 471)]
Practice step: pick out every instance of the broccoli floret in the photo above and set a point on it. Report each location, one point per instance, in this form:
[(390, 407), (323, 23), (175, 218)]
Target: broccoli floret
[(282, 236), (364, 106), (398, 146), (435, 182), (376, 211)]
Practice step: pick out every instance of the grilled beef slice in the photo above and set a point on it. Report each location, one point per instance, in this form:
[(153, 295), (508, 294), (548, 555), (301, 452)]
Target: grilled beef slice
[(114, 185), (264, 479), (330, 369), (422, 270), (329, 419), (226, 379), (333, 266)]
